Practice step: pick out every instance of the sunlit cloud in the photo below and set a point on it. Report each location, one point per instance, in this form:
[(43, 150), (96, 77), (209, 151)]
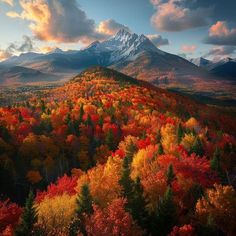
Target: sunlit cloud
[(220, 34), (188, 48), (111, 27), (173, 16), (9, 2), (58, 21)]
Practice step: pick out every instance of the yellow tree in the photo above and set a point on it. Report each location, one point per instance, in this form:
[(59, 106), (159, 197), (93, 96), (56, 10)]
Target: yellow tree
[(219, 206)]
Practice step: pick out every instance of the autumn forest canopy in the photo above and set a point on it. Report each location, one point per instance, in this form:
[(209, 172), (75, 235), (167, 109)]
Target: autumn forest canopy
[(106, 154)]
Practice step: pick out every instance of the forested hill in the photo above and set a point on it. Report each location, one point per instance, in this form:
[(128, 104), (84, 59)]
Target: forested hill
[(106, 154)]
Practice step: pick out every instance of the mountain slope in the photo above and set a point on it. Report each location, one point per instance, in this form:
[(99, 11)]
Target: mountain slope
[(21, 75), (225, 68)]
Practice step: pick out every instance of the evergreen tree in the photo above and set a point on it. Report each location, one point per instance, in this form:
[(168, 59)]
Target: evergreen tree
[(125, 181), (170, 174), (180, 133), (130, 150), (84, 206), (29, 217), (81, 113), (138, 210), (88, 121), (43, 106), (133, 192), (216, 165), (67, 119), (165, 216), (160, 149), (158, 136), (197, 147), (84, 201), (109, 140)]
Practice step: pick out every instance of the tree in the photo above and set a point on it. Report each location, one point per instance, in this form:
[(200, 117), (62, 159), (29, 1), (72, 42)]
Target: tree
[(218, 206), (9, 214), (133, 192), (112, 221), (84, 208), (130, 150), (216, 165), (84, 201), (197, 147), (160, 149), (126, 182), (180, 132), (165, 216), (109, 140), (170, 174), (29, 217)]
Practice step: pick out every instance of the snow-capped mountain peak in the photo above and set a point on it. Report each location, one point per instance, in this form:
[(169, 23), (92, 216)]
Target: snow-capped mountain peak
[(126, 46)]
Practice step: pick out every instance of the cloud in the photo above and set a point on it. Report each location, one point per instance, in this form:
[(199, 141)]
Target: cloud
[(188, 48), (174, 16), (15, 48), (111, 27), (218, 52), (58, 21), (9, 2), (220, 34), (158, 40)]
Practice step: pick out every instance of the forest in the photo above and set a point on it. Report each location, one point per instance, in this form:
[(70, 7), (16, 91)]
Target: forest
[(107, 155)]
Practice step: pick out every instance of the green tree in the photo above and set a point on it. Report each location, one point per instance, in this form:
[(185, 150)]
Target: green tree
[(29, 217), (164, 218), (109, 140), (160, 149), (180, 133), (197, 147), (133, 192), (84, 207), (216, 165), (130, 150), (170, 174)]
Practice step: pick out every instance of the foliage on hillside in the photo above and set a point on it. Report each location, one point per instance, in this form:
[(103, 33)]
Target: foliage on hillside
[(154, 162)]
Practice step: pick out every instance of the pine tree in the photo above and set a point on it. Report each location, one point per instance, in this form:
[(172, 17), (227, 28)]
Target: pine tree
[(216, 165), (29, 217), (133, 192), (81, 113), (130, 150), (180, 133), (165, 216), (84, 201), (138, 210), (84, 206), (109, 140), (160, 149), (170, 174), (125, 181), (158, 136), (197, 147)]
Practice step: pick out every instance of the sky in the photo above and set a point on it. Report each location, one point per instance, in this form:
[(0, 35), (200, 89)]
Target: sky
[(189, 28)]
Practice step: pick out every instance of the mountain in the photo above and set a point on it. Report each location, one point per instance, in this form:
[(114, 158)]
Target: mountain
[(200, 61), (18, 75), (134, 55), (224, 68)]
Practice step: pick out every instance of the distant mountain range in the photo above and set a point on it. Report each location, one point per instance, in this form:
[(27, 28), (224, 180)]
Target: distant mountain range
[(224, 68), (132, 54)]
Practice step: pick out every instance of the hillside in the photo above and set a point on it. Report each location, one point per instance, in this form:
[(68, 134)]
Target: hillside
[(19, 75), (106, 154)]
